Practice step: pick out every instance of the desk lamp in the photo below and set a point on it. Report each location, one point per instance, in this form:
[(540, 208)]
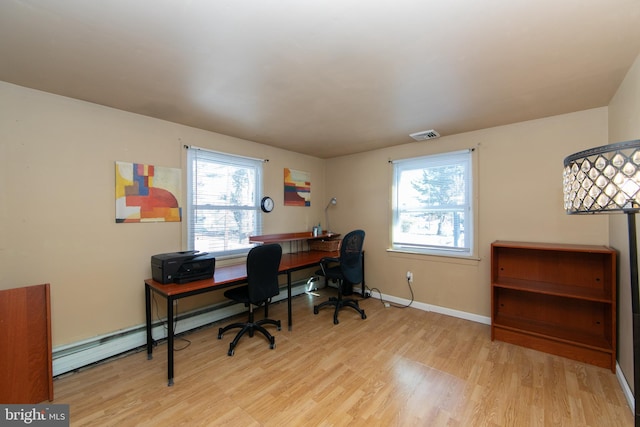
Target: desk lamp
[(333, 201), (607, 180)]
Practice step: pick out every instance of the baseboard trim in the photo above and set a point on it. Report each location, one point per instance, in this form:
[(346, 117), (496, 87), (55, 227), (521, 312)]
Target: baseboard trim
[(435, 308), (77, 355), (628, 394)]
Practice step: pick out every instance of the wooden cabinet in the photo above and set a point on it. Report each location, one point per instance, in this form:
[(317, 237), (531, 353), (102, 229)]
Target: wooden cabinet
[(556, 298), (25, 345)]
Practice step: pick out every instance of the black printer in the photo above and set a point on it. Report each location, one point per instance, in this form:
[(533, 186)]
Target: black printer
[(182, 267)]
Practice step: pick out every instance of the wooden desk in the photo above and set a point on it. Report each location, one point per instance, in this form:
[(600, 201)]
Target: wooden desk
[(224, 277)]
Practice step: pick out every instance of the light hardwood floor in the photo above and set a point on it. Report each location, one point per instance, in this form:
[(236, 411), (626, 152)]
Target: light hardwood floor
[(399, 367)]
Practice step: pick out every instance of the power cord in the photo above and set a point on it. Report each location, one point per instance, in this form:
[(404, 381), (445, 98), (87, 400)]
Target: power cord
[(175, 326), (166, 327), (390, 304)]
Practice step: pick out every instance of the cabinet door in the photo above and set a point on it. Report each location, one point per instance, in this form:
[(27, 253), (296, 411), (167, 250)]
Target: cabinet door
[(25, 345)]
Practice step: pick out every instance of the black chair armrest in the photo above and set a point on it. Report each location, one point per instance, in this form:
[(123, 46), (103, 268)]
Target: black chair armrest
[(326, 260)]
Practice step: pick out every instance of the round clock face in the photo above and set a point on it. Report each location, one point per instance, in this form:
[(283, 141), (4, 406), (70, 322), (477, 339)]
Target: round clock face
[(266, 204)]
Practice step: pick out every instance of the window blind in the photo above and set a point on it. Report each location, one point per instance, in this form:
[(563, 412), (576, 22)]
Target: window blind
[(223, 201)]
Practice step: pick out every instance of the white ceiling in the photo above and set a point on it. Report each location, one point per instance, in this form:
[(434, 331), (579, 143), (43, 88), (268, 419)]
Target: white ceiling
[(325, 77)]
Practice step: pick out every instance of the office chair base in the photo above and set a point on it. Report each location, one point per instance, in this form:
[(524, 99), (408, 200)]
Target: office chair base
[(250, 327), (338, 304)]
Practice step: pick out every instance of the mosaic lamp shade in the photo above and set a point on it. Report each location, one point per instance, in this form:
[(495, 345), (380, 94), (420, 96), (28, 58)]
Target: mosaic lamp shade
[(603, 179)]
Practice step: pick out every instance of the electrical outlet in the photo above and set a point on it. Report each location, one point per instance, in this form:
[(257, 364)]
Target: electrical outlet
[(410, 276)]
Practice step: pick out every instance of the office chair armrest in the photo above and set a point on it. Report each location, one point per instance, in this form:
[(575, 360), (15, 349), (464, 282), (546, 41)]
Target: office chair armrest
[(324, 261)]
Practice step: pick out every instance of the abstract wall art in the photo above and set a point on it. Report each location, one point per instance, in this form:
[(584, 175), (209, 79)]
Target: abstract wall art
[(297, 188), (147, 193)]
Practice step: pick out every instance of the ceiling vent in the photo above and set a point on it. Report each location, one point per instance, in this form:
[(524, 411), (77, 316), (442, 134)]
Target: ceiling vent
[(425, 134)]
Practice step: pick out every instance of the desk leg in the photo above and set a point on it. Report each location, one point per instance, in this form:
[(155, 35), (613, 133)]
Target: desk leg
[(147, 304), (290, 322), (170, 340)]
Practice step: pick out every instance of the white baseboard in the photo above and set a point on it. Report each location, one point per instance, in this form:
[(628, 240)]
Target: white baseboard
[(626, 389), (429, 307), (83, 353)]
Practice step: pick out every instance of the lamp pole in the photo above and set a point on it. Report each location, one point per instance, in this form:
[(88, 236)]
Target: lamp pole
[(635, 309)]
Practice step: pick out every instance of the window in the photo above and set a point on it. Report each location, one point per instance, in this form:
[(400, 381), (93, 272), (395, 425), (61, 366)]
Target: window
[(223, 202), (432, 204)]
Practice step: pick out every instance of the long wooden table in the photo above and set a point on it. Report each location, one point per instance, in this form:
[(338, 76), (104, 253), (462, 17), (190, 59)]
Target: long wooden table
[(224, 277)]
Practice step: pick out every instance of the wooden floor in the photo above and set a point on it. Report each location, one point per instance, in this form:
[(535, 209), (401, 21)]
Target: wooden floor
[(399, 367)]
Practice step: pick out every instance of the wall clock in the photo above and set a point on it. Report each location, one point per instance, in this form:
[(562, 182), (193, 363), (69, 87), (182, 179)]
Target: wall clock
[(266, 204)]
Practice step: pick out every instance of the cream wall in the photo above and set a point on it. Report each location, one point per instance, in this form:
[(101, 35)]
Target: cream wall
[(57, 207), (624, 125), (57, 204), (519, 191)]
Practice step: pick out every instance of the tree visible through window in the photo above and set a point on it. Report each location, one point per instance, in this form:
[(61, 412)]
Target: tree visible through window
[(432, 204), (223, 202)]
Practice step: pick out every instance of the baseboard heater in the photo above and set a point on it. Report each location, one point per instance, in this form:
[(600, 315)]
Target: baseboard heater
[(80, 354)]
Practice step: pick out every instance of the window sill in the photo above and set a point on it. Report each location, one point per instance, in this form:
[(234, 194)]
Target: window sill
[(452, 259)]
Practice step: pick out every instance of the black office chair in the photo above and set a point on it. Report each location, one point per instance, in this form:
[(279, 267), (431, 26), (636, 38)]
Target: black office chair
[(263, 263), (346, 271)]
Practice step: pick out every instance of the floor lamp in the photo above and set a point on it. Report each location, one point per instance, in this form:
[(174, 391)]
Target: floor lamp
[(607, 180)]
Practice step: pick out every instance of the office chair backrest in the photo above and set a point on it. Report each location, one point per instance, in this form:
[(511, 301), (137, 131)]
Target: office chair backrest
[(351, 256), (263, 263)]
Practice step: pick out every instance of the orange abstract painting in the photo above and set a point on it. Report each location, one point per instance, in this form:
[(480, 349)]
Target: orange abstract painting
[(297, 188), (147, 193)]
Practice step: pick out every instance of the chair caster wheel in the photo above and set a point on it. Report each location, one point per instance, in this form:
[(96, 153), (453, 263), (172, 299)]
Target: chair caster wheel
[(220, 334), (335, 321), (364, 316), (279, 326), (272, 345), (315, 309), (231, 352)]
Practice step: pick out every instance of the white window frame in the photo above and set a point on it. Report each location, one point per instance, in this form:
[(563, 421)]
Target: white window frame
[(210, 212), (406, 208)]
